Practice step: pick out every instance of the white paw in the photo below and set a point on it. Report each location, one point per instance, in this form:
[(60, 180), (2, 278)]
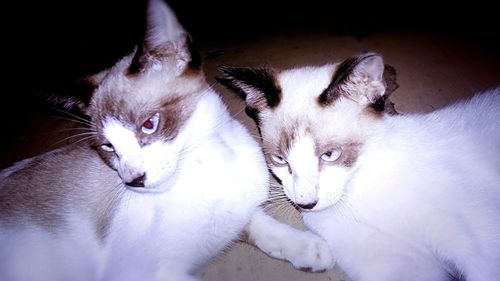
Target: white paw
[(306, 251)]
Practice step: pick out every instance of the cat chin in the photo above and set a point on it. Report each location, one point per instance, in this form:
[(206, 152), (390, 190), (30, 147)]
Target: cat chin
[(159, 186), (153, 190)]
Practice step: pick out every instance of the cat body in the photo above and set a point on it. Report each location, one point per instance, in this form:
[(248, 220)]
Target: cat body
[(161, 231), (397, 197), (413, 207), (166, 180)]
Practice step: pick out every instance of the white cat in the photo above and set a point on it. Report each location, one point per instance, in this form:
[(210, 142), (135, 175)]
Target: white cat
[(167, 181), (397, 197)]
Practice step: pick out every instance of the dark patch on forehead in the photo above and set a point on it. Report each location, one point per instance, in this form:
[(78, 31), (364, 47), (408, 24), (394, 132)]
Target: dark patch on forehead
[(341, 76), (282, 145), (285, 141)]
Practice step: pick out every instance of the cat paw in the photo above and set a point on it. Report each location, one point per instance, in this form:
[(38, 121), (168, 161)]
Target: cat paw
[(305, 251), (302, 248)]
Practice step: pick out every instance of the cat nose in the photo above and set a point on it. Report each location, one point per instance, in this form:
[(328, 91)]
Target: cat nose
[(308, 206), (137, 182)]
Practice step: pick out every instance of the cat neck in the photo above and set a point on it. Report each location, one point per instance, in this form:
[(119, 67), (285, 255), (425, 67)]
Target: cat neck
[(208, 119)]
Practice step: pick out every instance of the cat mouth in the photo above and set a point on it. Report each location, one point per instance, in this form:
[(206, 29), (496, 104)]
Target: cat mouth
[(138, 182), (307, 207), (143, 184)]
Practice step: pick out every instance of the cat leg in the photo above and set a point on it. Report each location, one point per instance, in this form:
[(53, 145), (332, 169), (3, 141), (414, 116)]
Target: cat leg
[(304, 249)]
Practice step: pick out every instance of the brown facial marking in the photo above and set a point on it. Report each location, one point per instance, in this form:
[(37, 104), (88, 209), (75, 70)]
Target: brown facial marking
[(174, 114), (348, 158)]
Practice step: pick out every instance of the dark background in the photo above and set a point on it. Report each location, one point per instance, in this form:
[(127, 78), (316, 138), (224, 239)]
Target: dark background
[(51, 42), (63, 39), (48, 44)]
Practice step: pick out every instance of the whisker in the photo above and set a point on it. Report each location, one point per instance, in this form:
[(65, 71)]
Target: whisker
[(74, 116), (75, 121), (76, 129), (83, 139), (86, 136), (116, 194)]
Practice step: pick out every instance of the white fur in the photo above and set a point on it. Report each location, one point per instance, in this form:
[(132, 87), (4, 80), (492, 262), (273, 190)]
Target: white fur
[(204, 192), (302, 248), (421, 201), (425, 194), (25, 257), (125, 145), (202, 187)]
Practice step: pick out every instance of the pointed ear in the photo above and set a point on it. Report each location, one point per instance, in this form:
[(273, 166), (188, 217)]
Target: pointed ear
[(165, 41), (390, 80), (258, 87), (360, 78)]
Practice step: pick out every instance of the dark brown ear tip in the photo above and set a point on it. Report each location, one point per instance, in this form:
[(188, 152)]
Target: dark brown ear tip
[(232, 71), (223, 68), (228, 83), (224, 81), (390, 78), (390, 109)]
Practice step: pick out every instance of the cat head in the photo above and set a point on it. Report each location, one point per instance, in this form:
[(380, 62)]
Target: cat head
[(314, 120), (140, 106)]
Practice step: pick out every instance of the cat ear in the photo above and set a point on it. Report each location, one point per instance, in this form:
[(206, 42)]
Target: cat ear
[(166, 42), (258, 87), (360, 78)]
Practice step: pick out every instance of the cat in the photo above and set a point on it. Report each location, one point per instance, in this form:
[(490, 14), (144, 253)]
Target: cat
[(412, 197), (167, 181)]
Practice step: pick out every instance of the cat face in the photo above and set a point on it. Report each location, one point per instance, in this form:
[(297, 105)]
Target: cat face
[(313, 121), (141, 106), (141, 123)]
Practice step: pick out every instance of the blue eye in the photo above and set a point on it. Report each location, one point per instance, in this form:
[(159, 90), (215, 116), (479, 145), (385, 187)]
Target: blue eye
[(107, 147), (278, 160), (332, 155)]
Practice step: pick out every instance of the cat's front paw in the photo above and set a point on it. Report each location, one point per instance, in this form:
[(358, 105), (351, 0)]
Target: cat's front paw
[(309, 253), (305, 251), (302, 248)]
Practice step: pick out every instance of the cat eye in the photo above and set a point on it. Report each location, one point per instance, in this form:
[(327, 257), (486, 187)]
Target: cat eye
[(278, 160), (150, 125), (332, 155), (107, 147)]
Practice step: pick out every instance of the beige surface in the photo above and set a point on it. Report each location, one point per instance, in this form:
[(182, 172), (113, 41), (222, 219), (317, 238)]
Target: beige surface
[(432, 71)]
